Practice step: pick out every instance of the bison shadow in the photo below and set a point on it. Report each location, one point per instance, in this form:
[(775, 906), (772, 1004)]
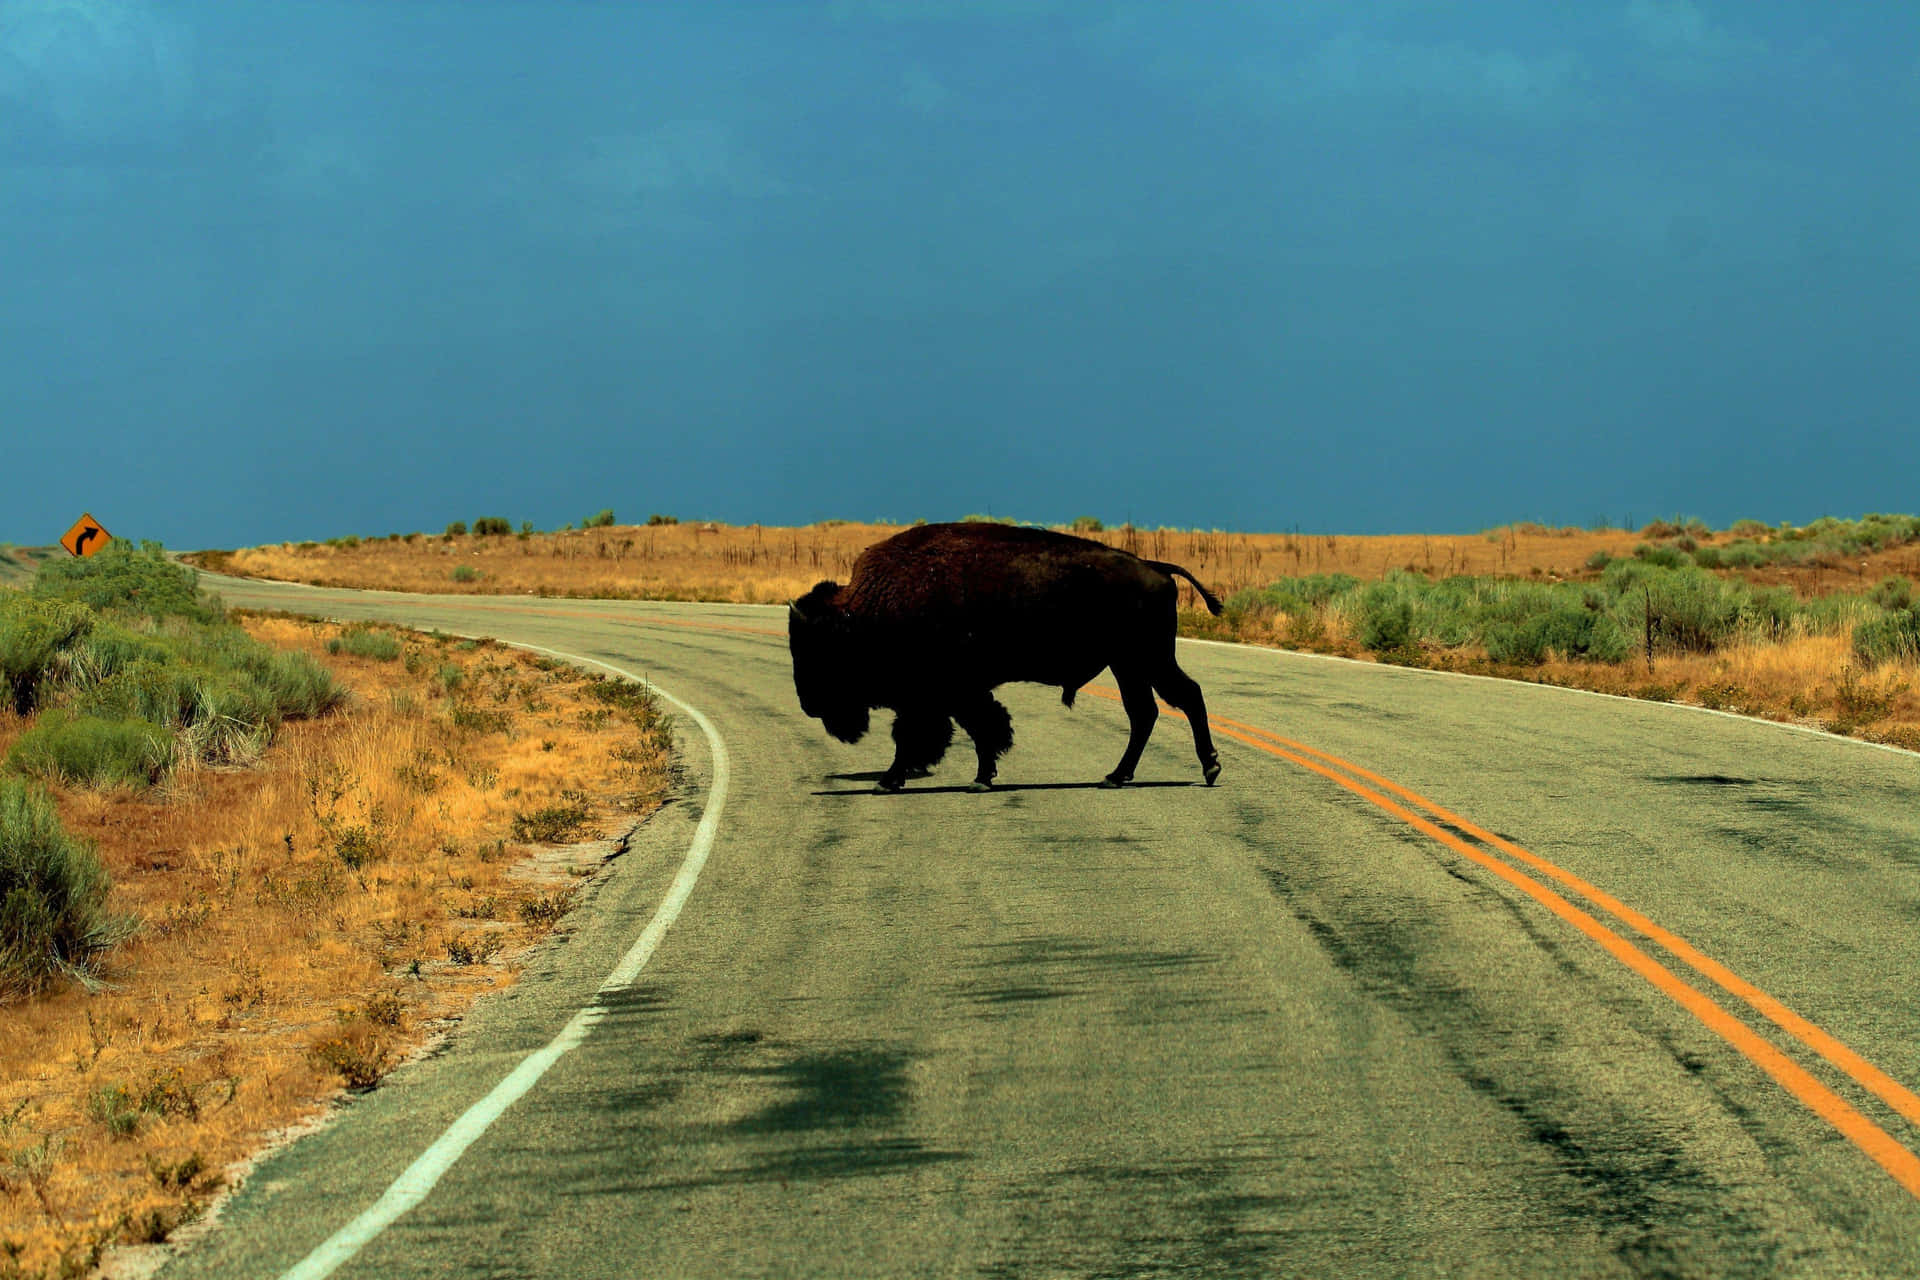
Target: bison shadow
[(873, 776)]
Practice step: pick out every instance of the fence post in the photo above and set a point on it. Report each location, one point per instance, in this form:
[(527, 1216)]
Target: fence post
[(1648, 593)]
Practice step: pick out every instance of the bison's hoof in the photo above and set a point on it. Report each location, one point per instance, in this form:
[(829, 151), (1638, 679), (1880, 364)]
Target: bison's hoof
[(1210, 770), (979, 784), (890, 784), (1114, 781)]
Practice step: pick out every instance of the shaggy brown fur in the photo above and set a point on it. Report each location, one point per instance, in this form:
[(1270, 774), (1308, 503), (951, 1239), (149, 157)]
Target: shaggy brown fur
[(936, 618)]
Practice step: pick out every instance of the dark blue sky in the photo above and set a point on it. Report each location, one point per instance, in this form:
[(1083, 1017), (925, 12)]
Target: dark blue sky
[(290, 270)]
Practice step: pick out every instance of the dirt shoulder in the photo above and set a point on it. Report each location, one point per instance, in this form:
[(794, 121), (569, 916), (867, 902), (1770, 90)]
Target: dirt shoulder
[(305, 923)]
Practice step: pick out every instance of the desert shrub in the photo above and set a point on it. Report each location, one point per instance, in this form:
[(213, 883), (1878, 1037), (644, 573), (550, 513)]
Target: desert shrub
[(601, 519), (465, 573), (544, 911), (492, 526), (1386, 618), (124, 578), (219, 691), (551, 824), (112, 1106), (1691, 609), (1599, 560), (657, 519), (162, 692), (1565, 627), (1894, 592), (464, 715), (300, 686), (457, 529), (108, 649), (362, 642), (37, 638), (1660, 557), (1296, 595), (1749, 529), (1770, 611), (1892, 638), (1086, 524), (92, 751), (54, 921)]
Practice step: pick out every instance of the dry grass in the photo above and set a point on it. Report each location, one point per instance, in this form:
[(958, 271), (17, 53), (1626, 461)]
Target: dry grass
[(1804, 679), (758, 564), (1808, 680), (306, 923)]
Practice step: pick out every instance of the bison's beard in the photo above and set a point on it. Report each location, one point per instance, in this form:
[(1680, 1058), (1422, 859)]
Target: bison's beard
[(849, 724)]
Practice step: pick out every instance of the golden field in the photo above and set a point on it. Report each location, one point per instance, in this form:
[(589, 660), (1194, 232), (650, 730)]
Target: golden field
[(304, 924), (1808, 679), (756, 564)]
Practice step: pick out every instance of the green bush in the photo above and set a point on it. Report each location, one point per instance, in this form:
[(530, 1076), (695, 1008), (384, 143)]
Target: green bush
[(54, 922), (1386, 618), (1660, 557), (457, 529), (492, 526), (37, 638), (1567, 629), (1691, 609), (657, 519), (1894, 592), (93, 752), (1893, 638), (465, 573), (123, 578), (1087, 524), (601, 519), (361, 642)]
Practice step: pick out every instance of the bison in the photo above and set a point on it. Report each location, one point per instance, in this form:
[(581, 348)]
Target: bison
[(939, 616)]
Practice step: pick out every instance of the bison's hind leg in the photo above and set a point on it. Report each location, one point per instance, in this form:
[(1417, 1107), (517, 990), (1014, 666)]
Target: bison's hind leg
[(991, 729), (920, 738), (1183, 691)]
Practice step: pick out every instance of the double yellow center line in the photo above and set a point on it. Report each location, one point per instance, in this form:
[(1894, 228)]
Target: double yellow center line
[(1421, 814), (1425, 816)]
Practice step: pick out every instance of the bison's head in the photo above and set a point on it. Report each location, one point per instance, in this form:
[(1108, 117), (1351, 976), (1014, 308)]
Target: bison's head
[(825, 670)]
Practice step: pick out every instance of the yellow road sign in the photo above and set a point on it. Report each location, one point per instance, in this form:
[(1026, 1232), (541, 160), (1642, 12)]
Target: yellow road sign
[(86, 537)]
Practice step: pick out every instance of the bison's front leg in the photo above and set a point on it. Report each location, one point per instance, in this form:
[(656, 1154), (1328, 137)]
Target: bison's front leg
[(991, 729), (920, 738)]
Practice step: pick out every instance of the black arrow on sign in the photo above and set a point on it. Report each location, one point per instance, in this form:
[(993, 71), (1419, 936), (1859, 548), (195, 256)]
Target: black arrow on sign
[(79, 543)]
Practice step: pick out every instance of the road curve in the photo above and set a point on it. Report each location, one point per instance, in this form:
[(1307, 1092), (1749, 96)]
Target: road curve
[(1504, 980)]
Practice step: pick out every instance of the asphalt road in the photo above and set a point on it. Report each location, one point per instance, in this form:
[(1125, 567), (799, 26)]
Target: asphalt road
[(1283, 1026)]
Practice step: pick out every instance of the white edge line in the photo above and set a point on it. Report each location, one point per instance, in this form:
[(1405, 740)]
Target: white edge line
[(420, 1177)]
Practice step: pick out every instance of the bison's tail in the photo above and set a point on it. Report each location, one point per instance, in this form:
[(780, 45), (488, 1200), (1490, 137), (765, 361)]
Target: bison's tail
[(1174, 570)]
